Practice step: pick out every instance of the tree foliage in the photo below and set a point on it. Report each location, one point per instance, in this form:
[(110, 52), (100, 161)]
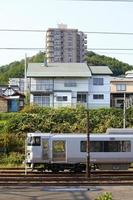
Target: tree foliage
[(66, 120), (116, 66), (15, 126), (16, 69)]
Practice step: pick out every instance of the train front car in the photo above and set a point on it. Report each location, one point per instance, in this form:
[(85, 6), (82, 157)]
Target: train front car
[(58, 152), (35, 154)]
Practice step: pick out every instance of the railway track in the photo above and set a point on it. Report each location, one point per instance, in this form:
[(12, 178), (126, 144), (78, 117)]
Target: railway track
[(18, 177)]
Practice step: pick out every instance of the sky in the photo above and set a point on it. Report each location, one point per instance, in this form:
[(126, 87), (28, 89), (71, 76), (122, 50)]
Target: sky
[(86, 16)]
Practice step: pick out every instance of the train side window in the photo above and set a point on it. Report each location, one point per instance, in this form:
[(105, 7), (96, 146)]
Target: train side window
[(37, 141), (58, 146), (97, 146), (111, 146), (83, 146), (117, 146), (126, 146), (29, 140)]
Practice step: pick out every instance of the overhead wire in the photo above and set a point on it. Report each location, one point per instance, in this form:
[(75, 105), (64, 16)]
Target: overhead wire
[(87, 32), (106, 0)]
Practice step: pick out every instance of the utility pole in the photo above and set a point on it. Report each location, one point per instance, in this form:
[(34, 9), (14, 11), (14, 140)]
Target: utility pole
[(25, 75), (88, 172), (124, 111)]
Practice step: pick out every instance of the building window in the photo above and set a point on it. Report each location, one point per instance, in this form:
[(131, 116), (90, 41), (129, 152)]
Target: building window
[(61, 98), (42, 85), (98, 96), (82, 98), (121, 87), (42, 100), (70, 83), (98, 81)]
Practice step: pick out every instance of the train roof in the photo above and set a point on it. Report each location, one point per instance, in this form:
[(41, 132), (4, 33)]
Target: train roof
[(70, 135), (119, 131)]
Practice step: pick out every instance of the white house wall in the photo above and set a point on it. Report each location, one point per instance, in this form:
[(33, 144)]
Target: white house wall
[(99, 89), (83, 85), (68, 102), (51, 99)]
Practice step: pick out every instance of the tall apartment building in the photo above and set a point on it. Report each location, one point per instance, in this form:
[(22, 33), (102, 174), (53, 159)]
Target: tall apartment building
[(65, 45)]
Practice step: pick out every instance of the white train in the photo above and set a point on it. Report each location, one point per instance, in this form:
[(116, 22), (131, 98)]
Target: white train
[(57, 152)]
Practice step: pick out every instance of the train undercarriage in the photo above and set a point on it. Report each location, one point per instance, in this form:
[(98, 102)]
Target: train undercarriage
[(77, 167)]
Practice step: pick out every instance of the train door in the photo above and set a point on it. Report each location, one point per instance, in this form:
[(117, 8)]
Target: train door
[(45, 144), (59, 151)]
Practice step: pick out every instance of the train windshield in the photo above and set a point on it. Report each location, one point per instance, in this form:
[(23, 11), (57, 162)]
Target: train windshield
[(34, 141)]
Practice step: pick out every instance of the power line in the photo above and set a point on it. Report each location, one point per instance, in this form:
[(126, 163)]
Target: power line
[(22, 48), (109, 33), (87, 32), (106, 0), (22, 30), (110, 49), (89, 49)]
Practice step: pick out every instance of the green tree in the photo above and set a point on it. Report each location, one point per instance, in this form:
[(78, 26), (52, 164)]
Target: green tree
[(116, 66)]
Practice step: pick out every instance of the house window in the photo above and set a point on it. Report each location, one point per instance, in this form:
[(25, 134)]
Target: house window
[(70, 83), (121, 87), (61, 98), (41, 100), (82, 98), (98, 81), (42, 85), (98, 96)]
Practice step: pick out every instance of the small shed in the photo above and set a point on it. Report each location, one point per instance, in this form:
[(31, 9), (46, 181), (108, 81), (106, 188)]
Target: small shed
[(3, 104), (15, 99), (15, 102)]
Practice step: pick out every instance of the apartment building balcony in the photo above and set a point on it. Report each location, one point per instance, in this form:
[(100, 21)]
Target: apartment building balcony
[(85, 41), (85, 36), (50, 33), (85, 47), (42, 88), (50, 39), (50, 50), (50, 44), (50, 55)]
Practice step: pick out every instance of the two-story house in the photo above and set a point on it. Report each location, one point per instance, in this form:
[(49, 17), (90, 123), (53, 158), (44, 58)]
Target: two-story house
[(99, 86), (58, 84), (121, 89), (67, 84)]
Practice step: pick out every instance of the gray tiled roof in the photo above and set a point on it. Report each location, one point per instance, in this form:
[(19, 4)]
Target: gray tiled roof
[(100, 70), (58, 70)]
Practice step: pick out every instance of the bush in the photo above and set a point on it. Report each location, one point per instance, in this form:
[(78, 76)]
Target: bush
[(13, 158), (6, 116), (105, 196)]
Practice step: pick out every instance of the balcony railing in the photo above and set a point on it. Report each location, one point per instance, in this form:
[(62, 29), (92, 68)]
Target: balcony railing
[(42, 87)]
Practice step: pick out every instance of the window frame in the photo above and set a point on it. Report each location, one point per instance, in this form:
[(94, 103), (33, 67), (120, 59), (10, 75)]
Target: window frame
[(70, 83), (118, 146), (121, 87), (98, 81), (61, 98), (98, 96)]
